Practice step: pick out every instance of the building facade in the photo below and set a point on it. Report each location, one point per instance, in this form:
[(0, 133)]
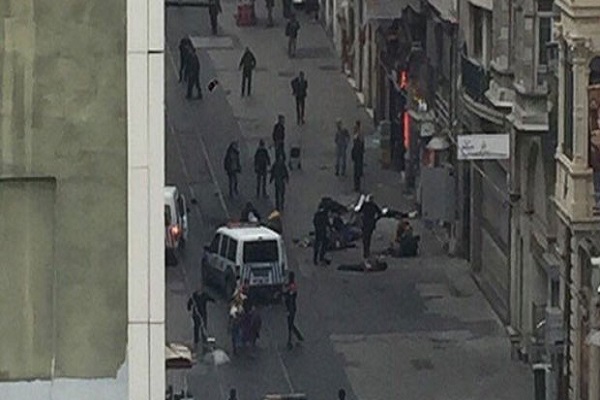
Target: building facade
[(81, 181)]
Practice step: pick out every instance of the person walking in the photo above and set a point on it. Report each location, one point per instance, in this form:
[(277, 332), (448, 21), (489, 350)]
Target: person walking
[(214, 9), (270, 5), (280, 177), (232, 394), (247, 65), (358, 153), (262, 162), (341, 394), (291, 31), (185, 48), (279, 137), (197, 305), (291, 293), (299, 90), (193, 75), (370, 214), (342, 139), (321, 224), (232, 166)]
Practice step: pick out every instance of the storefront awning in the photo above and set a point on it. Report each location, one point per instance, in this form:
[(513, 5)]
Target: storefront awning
[(390, 9), (447, 9)]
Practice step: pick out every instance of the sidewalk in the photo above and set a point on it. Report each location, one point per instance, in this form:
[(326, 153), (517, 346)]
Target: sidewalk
[(449, 343)]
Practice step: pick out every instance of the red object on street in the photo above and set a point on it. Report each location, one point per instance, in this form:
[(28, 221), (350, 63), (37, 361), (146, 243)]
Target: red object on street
[(245, 14)]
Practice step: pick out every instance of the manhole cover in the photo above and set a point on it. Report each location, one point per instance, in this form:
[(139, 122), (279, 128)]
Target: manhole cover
[(328, 67), (421, 364), (286, 74), (212, 42)]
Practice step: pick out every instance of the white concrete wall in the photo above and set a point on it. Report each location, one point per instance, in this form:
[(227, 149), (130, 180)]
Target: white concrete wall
[(146, 267)]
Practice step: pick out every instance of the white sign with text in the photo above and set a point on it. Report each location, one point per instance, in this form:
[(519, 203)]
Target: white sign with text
[(483, 147)]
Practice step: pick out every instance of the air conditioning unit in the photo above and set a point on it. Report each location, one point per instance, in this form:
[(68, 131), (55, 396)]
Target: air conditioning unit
[(554, 330)]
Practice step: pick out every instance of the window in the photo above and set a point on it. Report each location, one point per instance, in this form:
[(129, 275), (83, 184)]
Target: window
[(168, 215), (554, 292), (568, 101), (264, 251), (232, 249), (224, 244), (544, 30), (214, 245), (481, 34)]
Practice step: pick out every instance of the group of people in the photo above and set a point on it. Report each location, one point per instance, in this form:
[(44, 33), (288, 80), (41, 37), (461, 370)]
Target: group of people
[(189, 67), (342, 142), (245, 321)]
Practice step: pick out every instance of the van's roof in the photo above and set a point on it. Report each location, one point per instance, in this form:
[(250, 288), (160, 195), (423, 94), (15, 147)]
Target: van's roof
[(249, 232)]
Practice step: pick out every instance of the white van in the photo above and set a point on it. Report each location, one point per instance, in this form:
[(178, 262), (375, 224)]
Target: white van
[(176, 223), (246, 252)]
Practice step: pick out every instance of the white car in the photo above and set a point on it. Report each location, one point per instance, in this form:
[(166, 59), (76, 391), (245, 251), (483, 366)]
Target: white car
[(176, 223), (249, 254)]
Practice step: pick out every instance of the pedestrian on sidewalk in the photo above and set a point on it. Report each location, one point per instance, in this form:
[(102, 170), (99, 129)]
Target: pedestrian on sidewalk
[(262, 162), (270, 5), (370, 215), (197, 305), (341, 394), (232, 394), (193, 75), (185, 49), (342, 139), (279, 137), (247, 65), (291, 293), (280, 177), (299, 90), (322, 225), (232, 166), (214, 9), (291, 31), (358, 153)]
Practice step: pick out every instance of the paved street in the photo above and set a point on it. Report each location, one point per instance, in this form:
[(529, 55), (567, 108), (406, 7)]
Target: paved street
[(420, 330)]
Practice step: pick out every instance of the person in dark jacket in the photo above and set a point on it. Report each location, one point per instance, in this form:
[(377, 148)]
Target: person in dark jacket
[(290, 294), (247, 65), (214, 8), (193, 75), (279, 137), (358, 153), (299, 90), (280, 177), (185, 48), (270, 5), (262, 162), (232, 166), (321, 224), (197, 306), (249, 213), (291, 31), (370, 214)]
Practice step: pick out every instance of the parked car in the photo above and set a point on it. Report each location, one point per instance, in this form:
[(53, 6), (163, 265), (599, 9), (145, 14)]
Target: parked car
[(176, 223), (248, 253)]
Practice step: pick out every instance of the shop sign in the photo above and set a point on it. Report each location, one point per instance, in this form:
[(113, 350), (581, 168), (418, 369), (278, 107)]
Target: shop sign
[(483, 147)]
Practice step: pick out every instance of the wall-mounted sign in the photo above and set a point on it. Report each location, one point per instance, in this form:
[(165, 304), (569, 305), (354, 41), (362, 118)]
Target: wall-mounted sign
[(483, 147)]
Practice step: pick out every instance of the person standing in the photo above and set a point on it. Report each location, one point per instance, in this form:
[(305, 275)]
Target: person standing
[(321, 224), (280, 177), (249, 213), (193, 74), (262, 162), (232, 166), (247, 65), (279, 137), (370, 214), (299, 90), (291, 293), (270, 5), (342, 139), (185, 48), (197, 306), (341, 394), (214, 8), (291, 31), (358, 153)]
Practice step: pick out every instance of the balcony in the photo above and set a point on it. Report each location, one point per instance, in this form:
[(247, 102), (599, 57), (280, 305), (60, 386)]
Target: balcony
[(475, 84)]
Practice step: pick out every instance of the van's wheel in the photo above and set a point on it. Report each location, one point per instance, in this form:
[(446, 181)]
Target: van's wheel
[(229, 286)]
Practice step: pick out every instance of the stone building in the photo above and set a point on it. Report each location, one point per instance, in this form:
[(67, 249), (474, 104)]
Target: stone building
[(81, 181)]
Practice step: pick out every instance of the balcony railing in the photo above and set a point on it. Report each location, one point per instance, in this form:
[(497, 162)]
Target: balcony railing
[(475, 79)]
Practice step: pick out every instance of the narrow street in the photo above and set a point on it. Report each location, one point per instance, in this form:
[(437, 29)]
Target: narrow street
[(417, 331)]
